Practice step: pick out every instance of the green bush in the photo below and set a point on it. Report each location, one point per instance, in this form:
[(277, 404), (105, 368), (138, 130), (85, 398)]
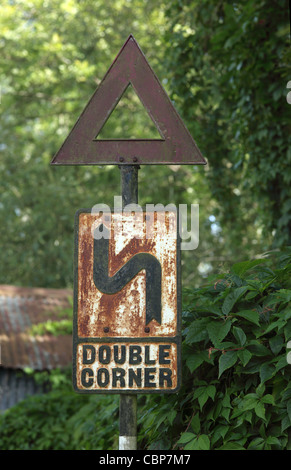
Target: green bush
[(61, 419), (236, 391), (235, 394)]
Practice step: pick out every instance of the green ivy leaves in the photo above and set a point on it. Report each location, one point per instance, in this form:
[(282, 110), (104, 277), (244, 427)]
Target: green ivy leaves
[(203, 393), (217, 331), (232, 298), (235, 350), (227, 360)]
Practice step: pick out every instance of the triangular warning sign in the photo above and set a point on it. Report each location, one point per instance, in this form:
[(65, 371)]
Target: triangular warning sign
[(130, 67)]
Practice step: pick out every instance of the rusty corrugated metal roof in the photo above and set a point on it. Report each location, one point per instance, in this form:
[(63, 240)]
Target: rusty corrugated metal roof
[(20, 309)]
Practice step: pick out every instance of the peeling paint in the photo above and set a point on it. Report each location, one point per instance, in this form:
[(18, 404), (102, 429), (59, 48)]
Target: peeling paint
[(117, 321), (124, 312)]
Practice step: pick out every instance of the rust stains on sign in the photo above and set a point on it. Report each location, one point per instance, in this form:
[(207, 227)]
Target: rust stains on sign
[(135, 366), (127, 294), (124, 313)]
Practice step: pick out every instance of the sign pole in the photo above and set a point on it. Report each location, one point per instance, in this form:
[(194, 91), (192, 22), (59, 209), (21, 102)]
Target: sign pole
[(128, 402), (129, 184), (127, 422)]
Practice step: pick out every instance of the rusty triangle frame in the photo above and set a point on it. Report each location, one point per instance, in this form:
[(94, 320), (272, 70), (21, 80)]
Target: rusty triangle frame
[(130, 67)]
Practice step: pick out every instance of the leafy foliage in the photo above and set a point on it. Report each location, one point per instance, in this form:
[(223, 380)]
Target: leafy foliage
[(60, 419), (235, 101), (236, 391), (54, 54)]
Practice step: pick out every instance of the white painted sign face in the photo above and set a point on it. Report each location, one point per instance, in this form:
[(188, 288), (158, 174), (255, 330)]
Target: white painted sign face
[(127, 302)]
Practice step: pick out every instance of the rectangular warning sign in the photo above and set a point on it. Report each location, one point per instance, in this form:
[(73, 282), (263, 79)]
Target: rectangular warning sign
[(126, 302), (135, 366)]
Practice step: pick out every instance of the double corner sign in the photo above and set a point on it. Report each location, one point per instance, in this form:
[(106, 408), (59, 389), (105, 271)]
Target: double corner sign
[(127, 269), (127, 302)]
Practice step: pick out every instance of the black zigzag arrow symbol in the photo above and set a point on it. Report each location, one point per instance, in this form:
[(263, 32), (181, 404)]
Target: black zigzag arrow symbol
[(113, 284)]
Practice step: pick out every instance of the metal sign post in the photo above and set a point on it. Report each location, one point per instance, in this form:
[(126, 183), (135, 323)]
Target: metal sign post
[(128, 403), (127, 293)]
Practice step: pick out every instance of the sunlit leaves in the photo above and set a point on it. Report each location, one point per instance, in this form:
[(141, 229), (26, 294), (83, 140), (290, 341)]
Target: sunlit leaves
[(53, 55), (241, 119)]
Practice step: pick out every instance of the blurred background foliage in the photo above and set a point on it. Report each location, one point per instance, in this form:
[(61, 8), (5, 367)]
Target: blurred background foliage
[(224, 64)]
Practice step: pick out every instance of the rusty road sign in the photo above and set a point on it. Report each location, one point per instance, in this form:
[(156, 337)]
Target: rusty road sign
[(176, 146), (126, 302), (127, 294)]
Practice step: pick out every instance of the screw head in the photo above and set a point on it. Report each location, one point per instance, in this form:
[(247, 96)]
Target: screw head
[(106, 329), (147, 329)]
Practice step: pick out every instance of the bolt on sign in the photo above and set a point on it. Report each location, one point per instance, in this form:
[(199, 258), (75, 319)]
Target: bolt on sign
[(127, 302)]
